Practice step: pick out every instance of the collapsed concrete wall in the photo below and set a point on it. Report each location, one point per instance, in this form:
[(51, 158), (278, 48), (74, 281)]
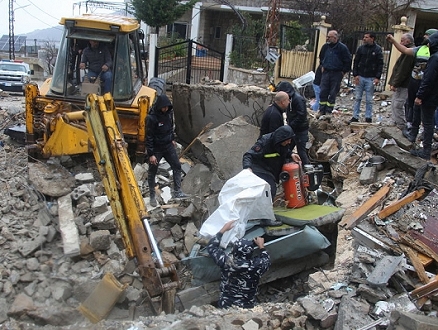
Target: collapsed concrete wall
[(198, 105)]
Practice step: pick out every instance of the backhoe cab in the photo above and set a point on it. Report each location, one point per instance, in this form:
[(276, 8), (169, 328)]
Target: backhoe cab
[(54, 121)]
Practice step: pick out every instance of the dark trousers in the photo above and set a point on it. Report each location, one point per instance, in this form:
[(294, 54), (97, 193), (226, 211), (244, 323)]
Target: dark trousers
[(300, 140), (330, 86), (414, 85), (270, 180), (426, 115), (169, 154)]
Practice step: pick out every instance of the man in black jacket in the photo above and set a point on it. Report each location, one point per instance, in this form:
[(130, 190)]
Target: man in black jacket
[(160, 142), (273, 116), (335, 63), (427, 99), (240, 270), (367, 69), (267, 156), (98, 59), (296, 114)]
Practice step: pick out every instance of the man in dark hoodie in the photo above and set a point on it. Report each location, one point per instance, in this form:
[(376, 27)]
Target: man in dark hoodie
[(160, 142), (296, 114), (367, 69), (427, 100), (335, 63), (267, 156), (240, 270)]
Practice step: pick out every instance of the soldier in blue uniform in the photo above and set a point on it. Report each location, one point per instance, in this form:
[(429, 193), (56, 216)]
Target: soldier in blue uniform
[(240, 270)]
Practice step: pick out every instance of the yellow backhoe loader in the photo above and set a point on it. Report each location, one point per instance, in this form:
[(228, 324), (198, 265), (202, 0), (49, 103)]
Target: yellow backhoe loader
[(67, 116)]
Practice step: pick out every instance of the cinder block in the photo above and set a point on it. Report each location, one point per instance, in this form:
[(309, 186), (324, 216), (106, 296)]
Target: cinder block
[(368, 175)]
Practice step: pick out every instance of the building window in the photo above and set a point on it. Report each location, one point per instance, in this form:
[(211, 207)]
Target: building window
[(177, 30), (217, 32)]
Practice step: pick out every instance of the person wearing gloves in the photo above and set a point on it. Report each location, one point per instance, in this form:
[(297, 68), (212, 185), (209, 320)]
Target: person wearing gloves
[(267, 156), (160, 142), (241, 270)]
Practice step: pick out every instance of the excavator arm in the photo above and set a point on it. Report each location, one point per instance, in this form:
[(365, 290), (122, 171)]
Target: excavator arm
[(110, 152)]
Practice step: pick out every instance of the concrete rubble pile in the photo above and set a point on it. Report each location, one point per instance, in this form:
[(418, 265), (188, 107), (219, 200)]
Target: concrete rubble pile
[(58, 238)]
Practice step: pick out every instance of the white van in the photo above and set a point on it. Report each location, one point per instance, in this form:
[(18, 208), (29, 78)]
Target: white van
[(14, 75)]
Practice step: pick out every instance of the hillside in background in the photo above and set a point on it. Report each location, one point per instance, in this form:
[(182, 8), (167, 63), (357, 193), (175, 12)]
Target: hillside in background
[(52, 34)]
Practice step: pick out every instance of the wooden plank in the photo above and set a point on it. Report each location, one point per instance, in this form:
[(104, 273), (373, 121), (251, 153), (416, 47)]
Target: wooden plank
[(424, 290), (397, 205), (424, 259), (419, 268), (366, 207), (419, 246)]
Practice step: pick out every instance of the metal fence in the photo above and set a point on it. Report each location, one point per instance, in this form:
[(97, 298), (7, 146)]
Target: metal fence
[(189, 62)]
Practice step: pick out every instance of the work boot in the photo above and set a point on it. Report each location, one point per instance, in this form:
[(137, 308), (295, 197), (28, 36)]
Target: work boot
[(368, 120), (180, 195), (407, 134), (422, 153), (153, 200), (353, 120)]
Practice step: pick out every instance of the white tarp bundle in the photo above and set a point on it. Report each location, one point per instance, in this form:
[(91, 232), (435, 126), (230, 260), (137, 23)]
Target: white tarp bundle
[(243, 197)]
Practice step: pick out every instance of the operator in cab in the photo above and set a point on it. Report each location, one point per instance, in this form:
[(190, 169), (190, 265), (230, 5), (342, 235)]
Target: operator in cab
[(99, 62)]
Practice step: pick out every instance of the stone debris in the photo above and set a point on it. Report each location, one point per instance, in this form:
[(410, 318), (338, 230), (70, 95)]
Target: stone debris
[(58, 239)]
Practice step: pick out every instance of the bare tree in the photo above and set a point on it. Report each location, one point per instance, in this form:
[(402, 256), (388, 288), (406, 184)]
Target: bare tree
[(51, 52), (348, 15)]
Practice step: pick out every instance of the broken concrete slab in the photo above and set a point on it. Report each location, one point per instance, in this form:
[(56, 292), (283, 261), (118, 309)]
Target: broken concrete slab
[(396, 154), (197, 181), (409, 321), (199, 105), (67, 226), (222, 148), (383, 271), (352, 314), (51, 179)]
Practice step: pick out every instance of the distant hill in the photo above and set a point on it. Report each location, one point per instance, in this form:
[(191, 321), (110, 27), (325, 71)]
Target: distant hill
[(51, 34)]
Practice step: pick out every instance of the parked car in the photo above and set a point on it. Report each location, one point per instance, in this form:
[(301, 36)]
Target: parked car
[(14, 75)]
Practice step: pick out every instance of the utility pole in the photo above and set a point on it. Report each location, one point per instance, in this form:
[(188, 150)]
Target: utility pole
[(11, 31)]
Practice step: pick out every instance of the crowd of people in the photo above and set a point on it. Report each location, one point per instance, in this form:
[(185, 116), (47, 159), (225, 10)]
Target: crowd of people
[(413, 81)]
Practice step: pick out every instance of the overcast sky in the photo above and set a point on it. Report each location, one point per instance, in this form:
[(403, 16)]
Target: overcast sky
[(31, 15)]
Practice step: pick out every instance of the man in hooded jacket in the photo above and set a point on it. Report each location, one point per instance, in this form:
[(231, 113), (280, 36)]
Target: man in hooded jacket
[(267, 156), (240, 270), (296, 114), (160, 142), (427, 100)]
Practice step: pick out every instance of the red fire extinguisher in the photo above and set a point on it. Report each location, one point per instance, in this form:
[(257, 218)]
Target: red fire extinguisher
[(294, 191)]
